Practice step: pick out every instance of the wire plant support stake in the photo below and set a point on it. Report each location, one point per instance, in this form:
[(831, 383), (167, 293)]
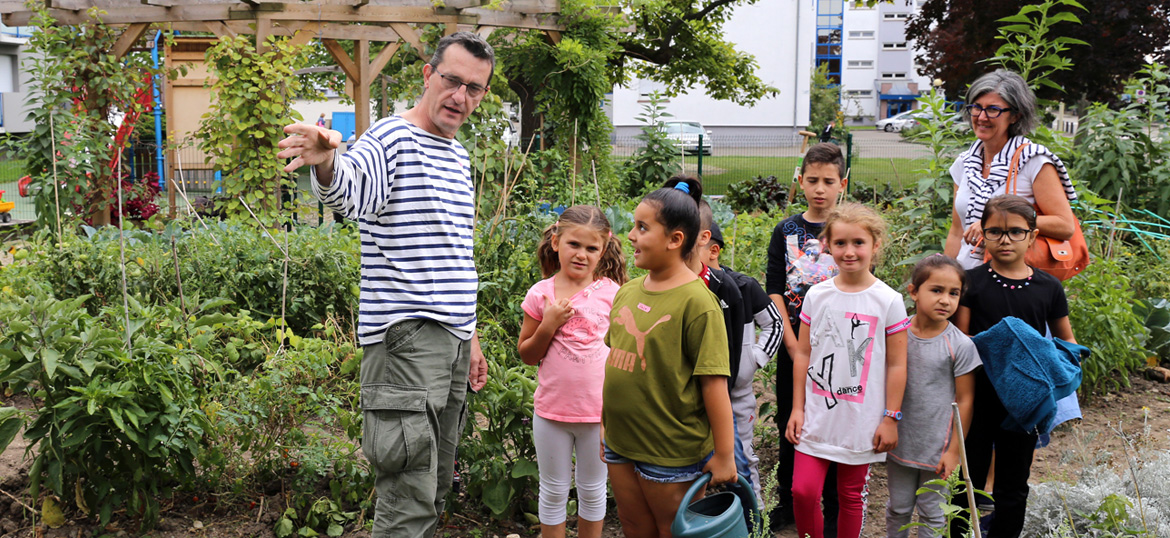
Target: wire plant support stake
[(974, 523)]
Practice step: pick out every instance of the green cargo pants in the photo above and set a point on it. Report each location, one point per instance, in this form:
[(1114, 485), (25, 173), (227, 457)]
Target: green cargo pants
[(414, 391)]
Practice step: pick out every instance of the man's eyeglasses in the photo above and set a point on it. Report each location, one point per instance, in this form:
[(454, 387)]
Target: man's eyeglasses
[(1015, 234), (991, 111), (452, 82)]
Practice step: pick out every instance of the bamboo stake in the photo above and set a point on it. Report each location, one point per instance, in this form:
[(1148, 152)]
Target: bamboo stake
[(262, 228), (53, 153), (191, 209), (179, 283), (122, 253), (734, 234), (596, 186), (573, 166), (1113, 231), (966, 474), (284, 292)]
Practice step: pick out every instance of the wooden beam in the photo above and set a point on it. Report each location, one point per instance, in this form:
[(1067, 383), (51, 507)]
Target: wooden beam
[(129, 37), (327, 31), (263, 30), (383, 57), (410, 35), (216, 27), (305, 34), (162, 3), (361, 86), (342, 57), (553, 36), (185, 12)]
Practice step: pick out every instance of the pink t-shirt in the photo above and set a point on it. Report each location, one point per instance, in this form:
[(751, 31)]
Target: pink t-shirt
[(570, 377)]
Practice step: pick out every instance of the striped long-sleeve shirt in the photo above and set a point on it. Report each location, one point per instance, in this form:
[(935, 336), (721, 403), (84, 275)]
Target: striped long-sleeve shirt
[(412, 195)]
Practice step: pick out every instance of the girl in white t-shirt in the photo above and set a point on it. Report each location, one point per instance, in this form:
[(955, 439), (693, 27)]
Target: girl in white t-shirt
[(566, 316), (849, 373)]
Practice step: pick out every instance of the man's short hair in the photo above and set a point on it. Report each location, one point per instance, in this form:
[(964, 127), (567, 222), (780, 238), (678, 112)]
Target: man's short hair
[(470, 42)]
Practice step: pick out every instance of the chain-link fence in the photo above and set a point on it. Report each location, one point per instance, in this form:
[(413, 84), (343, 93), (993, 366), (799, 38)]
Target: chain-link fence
[(875, 158)]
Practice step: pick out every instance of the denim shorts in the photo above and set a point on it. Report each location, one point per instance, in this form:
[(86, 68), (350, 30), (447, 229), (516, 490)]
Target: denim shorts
[(659, 473)]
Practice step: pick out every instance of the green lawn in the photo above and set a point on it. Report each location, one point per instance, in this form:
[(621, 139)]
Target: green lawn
[(721, 171)]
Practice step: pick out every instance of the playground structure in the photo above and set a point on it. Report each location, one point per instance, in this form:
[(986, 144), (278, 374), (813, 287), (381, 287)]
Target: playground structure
[(362, 21)]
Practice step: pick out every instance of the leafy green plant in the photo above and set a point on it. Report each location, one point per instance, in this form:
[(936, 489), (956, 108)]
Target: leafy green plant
[(947, 489), (825, 99), (657, 158), (112, 428), (1156, 314), (1125, 153), (1028, 48), (928, 208), (251, 91), (77, 84), (758, 194), (1103, 317)]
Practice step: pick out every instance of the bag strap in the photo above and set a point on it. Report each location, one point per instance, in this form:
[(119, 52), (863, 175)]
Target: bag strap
[(1014, 169)]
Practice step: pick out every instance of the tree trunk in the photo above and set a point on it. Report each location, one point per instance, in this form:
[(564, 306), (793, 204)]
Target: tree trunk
[(529, 120)]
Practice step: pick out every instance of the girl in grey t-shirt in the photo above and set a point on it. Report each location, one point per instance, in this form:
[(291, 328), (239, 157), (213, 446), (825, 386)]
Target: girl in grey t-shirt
[(940, 366)]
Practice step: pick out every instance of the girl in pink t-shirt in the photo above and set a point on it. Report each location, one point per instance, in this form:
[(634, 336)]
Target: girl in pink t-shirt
[(566, 316)]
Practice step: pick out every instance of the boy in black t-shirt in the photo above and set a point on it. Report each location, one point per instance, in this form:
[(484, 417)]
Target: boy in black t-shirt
[(794, 267), (758, 312)]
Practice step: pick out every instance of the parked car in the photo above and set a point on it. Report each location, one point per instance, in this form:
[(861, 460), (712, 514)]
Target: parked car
[(894, 123), (956, 120), (686, 134)]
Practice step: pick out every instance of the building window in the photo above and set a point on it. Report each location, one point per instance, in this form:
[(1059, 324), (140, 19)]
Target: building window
[(894, 46), (895, 16), (894, 75), (861, 34), (858, 93), (830, 18), (860, 64)]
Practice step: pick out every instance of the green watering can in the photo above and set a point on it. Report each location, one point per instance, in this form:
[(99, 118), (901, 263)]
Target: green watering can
[(721, 515)]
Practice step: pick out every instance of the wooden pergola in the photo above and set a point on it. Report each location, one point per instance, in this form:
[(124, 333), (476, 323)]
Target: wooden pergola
[(361, 21)]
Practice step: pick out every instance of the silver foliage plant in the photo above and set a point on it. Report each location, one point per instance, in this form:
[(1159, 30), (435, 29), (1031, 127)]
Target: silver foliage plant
[(1051, 505)]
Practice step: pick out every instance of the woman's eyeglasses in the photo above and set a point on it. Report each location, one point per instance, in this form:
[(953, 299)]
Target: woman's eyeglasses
[(991, 111), (1015, 234)]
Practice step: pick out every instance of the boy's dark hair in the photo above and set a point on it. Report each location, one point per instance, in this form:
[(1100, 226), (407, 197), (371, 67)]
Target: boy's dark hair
[(1012, 205), (679, 210), (824, 153), (471, 42), (612, 263), (706, 216), (928, 265)]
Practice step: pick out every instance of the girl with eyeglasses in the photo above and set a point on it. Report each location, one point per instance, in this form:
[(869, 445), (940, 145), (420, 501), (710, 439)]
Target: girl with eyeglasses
[(1006, 286), (1002, 111)]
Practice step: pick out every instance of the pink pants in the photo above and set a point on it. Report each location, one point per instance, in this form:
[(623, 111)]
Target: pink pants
[(808, 478)]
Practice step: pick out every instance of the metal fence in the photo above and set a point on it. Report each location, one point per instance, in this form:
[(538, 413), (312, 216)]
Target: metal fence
[(875, 158)]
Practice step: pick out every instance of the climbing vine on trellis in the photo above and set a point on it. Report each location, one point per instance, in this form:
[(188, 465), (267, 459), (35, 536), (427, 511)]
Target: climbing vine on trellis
[(251, 94)]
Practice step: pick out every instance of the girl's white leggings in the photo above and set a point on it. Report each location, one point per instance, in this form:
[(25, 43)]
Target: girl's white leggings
[(555, 442)]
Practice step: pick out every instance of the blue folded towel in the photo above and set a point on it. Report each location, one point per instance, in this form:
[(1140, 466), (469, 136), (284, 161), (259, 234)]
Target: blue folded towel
[(1029, 372)]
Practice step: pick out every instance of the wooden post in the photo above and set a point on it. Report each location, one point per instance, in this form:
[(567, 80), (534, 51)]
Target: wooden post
[(361, 86)]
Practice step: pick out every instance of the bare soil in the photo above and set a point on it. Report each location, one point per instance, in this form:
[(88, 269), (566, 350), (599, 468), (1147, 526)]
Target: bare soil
[(1145, 406)]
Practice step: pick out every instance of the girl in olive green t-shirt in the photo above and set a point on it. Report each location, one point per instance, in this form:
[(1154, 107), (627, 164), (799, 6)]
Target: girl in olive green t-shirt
[(666, 414)]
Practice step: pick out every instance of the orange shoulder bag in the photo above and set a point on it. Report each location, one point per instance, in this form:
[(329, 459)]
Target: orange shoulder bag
[(1061, 259)]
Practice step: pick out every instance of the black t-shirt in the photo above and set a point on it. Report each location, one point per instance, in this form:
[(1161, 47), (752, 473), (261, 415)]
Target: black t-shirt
[(723, 286), (776, 282), (991, 297)]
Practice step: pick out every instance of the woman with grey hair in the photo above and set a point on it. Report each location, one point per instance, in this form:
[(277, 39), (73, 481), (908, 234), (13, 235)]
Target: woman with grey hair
[(1002, 111)]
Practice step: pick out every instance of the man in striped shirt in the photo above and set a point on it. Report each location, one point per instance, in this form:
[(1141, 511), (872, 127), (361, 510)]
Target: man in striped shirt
[(407, 182)]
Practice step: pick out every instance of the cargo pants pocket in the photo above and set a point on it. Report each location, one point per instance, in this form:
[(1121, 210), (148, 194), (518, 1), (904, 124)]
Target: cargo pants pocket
[(398, 436)]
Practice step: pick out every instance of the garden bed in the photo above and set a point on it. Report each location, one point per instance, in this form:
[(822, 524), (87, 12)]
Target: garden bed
[(1141, 412)]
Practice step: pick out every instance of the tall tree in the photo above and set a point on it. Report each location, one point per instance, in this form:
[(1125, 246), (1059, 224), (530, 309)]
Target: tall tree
[(955, 36)]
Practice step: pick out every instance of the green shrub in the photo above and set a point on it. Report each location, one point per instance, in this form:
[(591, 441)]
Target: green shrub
[(1101, 310), (112, 429), (758, 194), (239, 264)]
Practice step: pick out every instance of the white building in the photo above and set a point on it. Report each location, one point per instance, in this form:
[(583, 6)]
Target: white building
[(780, 34), (878, 76), (13, 80), (865, 48)]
